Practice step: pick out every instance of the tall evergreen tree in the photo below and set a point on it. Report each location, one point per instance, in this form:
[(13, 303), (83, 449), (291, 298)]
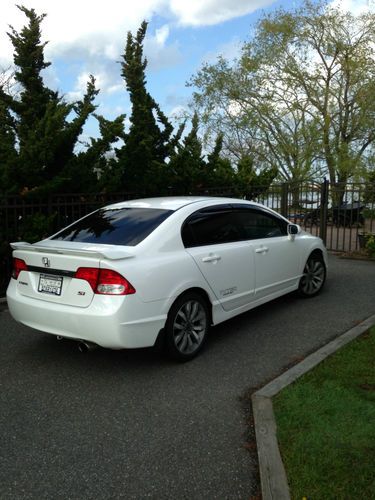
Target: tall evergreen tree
[(97, 161), (187, 165), (219, 170), (251, 183), (44, 136), (8, 152), (29, 61), (149, 141)]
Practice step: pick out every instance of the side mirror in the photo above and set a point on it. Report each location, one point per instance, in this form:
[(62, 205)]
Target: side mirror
[(293, 229)]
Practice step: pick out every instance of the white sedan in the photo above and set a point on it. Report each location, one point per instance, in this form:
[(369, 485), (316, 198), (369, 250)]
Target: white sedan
[(161, 270)]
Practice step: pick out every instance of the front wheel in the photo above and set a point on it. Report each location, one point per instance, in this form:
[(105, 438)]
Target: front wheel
[(313, 279), (186, 327)]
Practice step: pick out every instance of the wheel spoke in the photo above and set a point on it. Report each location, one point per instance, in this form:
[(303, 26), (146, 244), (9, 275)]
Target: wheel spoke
[(198, 328), (189, 342), (194, 336), (182, 315), (179, 336), (182, 346), (194, 311), (188, 310)]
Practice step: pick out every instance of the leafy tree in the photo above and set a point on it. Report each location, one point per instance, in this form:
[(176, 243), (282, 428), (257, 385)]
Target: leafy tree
[(299, 96), (256, 118), (327, 56), (369, 194)]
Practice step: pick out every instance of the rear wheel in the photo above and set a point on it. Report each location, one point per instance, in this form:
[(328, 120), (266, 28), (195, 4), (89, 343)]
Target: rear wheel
[(314, 276), (186, 327)]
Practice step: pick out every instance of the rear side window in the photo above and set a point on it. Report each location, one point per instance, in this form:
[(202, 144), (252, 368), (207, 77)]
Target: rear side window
[(210, 228), (122, 226)]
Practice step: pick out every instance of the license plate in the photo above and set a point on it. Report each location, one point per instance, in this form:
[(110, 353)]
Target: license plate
[(50, 284)]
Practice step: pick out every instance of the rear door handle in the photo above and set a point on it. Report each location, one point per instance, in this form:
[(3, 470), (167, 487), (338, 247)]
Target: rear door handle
[(211, 258), (261, 250)]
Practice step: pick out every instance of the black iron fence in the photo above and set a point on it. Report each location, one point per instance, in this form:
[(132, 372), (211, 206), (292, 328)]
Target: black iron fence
[(341, 215)]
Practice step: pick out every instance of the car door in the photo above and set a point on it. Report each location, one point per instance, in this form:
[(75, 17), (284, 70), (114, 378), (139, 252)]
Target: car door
[(276, 255), (214, 239)]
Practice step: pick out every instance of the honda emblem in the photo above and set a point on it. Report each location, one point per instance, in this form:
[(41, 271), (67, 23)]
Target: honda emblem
[(46, 262)]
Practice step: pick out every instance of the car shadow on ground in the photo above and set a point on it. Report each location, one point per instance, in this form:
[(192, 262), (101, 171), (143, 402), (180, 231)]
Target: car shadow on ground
[(225, 336)]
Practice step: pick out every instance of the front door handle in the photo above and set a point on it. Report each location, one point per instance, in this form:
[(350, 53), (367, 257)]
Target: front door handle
[(261, 250), (211, 258)]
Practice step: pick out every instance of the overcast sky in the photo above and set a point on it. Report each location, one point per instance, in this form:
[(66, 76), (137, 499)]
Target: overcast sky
[(88, 37)]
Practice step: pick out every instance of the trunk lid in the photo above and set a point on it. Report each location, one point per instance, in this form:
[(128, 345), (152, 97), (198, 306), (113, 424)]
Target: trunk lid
[(51, 271)]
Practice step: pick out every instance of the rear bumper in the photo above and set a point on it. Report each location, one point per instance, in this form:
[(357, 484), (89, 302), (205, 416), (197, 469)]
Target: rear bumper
[(112, 322)]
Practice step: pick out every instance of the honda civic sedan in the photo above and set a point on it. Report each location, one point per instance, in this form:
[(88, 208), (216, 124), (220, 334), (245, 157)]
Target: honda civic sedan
[(161, 271)]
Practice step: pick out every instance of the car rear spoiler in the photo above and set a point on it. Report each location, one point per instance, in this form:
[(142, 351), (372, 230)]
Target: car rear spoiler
[(105, 253)]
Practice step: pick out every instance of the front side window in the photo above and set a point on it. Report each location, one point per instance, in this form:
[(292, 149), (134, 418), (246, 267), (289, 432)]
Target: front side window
[(118, 226), (257, 224)]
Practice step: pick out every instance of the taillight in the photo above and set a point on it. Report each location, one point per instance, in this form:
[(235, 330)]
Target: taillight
[(112, 283), (18, 266), (105, 281), (89, 274)]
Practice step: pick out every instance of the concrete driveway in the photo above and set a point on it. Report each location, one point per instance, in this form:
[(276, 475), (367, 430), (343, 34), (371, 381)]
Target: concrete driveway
[(133, 425)]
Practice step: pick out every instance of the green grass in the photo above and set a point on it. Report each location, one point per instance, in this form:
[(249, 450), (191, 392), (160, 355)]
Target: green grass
[(326, 426)]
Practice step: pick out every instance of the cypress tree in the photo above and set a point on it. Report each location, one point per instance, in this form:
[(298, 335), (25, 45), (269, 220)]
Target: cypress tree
[(44, 136), (98, 160), (219, 170), (149, 141), (187, 165), (251, 183), (29, 61), (8, 152)]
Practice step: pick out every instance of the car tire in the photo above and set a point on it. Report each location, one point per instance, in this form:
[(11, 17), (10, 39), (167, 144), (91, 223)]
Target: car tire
[(187, 326), (314, 276)]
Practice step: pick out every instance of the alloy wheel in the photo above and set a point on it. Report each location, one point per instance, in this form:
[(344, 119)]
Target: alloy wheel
[(313, 277), (189, 327)]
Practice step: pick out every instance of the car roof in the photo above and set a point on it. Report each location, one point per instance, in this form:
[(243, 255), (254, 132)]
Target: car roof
[(172, 202)]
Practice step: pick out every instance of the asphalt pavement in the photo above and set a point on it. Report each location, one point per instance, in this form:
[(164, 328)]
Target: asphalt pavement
[(131, 424)]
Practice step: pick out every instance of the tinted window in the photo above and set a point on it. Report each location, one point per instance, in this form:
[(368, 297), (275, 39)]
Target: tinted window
[(210, 228), (257, 224), (123, 226)]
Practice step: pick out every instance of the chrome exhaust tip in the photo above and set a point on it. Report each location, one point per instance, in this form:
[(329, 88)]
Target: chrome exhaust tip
[(86, 346)]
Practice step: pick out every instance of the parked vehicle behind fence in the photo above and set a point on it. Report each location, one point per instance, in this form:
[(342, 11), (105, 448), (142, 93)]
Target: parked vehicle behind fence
[(347, 214)]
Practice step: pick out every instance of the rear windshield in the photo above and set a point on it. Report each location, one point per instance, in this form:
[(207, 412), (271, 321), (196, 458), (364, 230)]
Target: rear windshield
[(123, 226)]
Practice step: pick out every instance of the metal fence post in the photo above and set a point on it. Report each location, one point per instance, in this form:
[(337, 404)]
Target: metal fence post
[(284, 199), (324, 210)]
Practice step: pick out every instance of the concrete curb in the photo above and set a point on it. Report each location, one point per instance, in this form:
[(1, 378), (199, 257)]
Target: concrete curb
[(273, 477)]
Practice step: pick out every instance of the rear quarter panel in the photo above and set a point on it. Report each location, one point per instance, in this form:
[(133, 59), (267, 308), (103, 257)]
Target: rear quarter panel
[(162, 276)]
